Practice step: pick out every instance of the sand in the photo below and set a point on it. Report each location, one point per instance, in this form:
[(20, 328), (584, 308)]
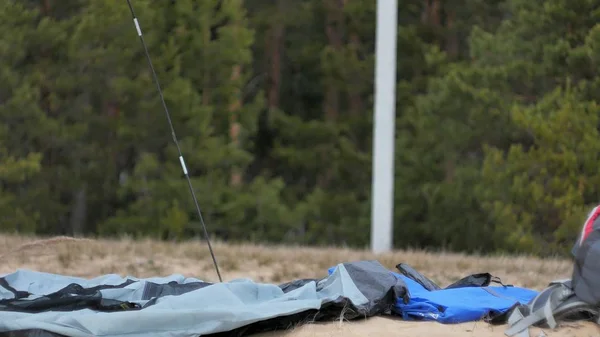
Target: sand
[(383, 327)]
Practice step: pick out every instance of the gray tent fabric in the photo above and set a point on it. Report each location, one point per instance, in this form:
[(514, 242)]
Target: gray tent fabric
[(177, 306)]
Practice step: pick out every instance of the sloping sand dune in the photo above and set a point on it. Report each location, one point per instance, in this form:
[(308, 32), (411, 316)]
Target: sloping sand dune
[(384, 327)]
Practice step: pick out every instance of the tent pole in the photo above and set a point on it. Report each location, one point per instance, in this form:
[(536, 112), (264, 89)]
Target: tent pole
[(175, 141)]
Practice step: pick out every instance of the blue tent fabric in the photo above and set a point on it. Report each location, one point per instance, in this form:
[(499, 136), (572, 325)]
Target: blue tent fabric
[(458, 305), (461, 304)]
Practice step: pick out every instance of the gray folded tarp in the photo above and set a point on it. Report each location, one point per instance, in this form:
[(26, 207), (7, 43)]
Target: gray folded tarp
[(177, 306)]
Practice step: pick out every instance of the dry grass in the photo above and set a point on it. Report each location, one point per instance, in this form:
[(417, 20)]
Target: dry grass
[(90, 258)]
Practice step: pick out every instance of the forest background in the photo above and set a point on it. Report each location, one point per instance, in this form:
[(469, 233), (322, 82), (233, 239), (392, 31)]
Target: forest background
[(497, 139)]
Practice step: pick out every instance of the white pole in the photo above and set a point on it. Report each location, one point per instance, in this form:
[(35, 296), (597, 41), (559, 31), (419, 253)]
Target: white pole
[(384, 127)]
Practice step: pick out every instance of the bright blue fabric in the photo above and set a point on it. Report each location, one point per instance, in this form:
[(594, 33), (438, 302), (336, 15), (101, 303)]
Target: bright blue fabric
[(458, 305)]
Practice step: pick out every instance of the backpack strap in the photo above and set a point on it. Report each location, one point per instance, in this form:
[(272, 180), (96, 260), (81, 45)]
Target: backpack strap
[(540, 309), (519, 324), (517, 331)]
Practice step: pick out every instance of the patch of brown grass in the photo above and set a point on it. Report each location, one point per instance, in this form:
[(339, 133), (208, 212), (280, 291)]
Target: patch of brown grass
[(261, 263)]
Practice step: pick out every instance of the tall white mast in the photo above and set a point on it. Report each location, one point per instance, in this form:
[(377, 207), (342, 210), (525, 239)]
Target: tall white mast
[(384, 127)]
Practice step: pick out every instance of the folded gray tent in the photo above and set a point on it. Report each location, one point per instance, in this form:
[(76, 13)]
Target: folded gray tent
[(41, 304)]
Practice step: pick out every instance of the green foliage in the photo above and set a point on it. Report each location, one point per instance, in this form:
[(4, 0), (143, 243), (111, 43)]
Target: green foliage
[(497, 121), (16, 171), (539, 195)]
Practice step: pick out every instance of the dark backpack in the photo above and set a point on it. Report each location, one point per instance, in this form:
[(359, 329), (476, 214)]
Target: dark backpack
[(574, 299), (586, 251)]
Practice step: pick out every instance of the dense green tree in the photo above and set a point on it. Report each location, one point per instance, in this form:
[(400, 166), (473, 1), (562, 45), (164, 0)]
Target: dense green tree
[(271, 101), (538, 195), (43, 111), (538, 49), (549, 183)]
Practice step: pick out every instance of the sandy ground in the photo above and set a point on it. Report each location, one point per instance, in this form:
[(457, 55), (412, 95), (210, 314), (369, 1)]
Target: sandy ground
[(383, 327), (277, 264)]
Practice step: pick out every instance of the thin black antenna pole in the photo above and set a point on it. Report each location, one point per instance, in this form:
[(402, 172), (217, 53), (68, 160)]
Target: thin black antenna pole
[(185, 171)]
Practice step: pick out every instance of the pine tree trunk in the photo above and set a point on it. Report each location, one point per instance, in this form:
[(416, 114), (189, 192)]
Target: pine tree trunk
[(436, 7), (78, 212), (234, 126), (334, 31), (206, 70), (44, 90), (426, 13), (355, 98), (452, 35), (274, 47), (45, 7)]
